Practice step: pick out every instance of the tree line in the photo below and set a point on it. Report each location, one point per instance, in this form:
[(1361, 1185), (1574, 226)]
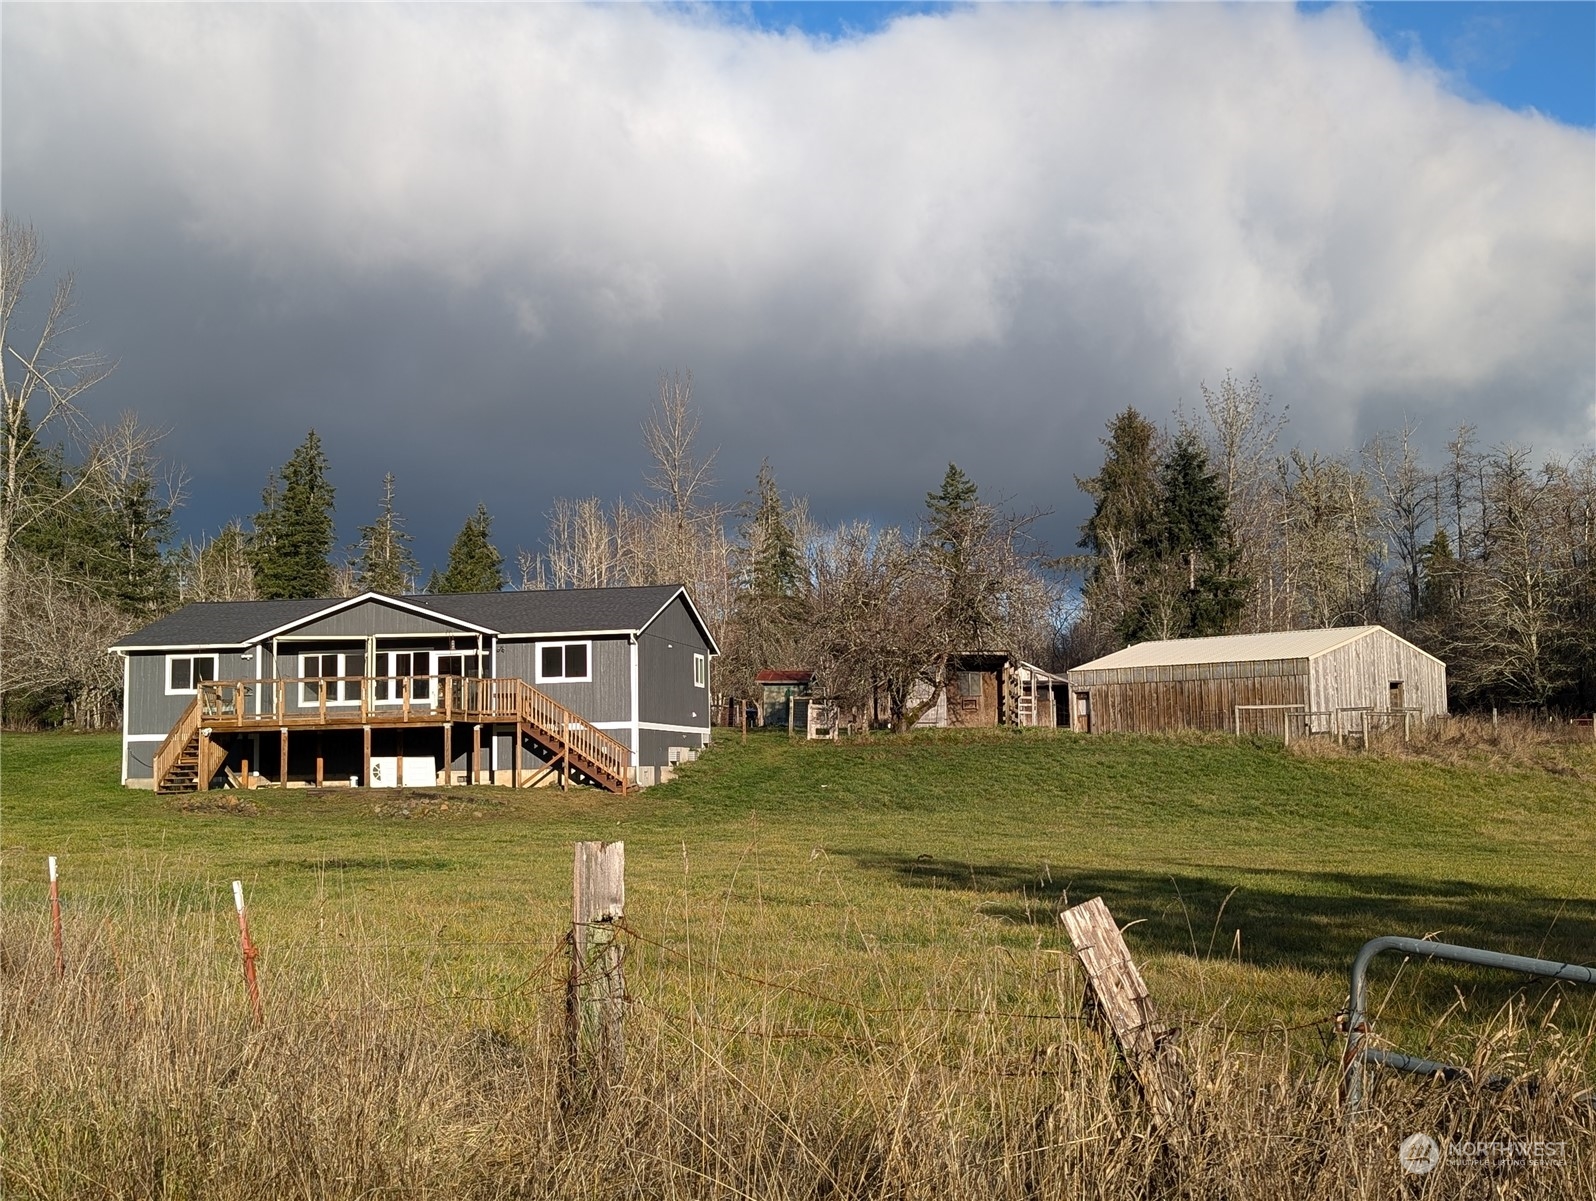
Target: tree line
[(1487, 559)]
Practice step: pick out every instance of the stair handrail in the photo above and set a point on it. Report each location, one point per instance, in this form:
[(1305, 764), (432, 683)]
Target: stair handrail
[(184, 728), (599, 749)]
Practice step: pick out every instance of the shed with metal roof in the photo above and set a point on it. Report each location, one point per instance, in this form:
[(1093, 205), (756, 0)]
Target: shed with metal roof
[(1291, 681)]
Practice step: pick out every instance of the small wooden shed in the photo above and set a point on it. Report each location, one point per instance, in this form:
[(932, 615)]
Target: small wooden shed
[(1317, 680)]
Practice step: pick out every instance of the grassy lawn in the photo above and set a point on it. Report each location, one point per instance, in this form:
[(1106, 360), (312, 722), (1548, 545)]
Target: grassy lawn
[(925, 870), (846, 976)]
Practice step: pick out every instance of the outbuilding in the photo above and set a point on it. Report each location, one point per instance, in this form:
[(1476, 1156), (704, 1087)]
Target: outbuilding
[(1297, 680)]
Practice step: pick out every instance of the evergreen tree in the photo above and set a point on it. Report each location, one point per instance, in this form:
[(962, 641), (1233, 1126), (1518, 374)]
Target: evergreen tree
[(774, 564), (956, 521), (1188, 583), (293, 533), (383, 559), (474, 564), (1125, 492)]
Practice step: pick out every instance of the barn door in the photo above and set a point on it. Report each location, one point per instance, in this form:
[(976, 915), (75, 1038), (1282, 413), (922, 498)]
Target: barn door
[(1083, 712), (1395, 702)]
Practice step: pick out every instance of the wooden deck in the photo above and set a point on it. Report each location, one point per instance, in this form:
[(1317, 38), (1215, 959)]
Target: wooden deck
[(187, 758)]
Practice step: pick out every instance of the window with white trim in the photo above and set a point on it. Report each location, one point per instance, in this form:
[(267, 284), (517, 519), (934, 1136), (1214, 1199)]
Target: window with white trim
[(338, 675), (401, 676), (700, 671), (565, 662), (184, 673)]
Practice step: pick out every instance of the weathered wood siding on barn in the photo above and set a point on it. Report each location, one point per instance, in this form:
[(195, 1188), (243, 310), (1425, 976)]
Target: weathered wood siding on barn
[(1188, 696), (1360, 675)]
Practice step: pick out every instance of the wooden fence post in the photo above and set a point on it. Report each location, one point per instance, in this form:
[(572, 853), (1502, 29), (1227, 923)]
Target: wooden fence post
[(595, 988), (247, 946), (1120, 995), (55, 920)]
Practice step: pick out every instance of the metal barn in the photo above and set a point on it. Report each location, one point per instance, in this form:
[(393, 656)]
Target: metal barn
[(1298, 680)]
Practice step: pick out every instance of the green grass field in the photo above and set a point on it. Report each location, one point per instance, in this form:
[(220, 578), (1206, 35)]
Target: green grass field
[(846, 973), (903, 869)]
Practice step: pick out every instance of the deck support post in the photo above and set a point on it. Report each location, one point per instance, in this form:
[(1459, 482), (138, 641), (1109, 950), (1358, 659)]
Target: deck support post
[(321, 762), (365, 776), (515, 762), (282, 757), (202, 780), (448, 755), (476, 753)]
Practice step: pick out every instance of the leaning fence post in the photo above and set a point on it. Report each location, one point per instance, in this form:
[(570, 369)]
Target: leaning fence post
[(595, 988), (55, 920), (1116, 988), (247, 946)]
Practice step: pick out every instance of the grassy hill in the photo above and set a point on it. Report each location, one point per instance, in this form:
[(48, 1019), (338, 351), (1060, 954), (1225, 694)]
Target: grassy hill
[(845, 972), (1252, 874)]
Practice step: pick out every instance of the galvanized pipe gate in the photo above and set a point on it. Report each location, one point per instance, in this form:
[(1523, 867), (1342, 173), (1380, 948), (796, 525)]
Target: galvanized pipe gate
[(1358, 1054)]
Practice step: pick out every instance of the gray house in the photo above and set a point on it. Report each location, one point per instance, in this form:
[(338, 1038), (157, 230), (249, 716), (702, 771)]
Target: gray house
[(598, 686)]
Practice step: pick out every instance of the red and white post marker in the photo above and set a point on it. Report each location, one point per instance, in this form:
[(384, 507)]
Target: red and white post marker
[(55, 919), (249, 951)]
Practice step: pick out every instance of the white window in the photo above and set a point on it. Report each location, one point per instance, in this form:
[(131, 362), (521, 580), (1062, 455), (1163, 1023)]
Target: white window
[(402, 675), (337, 676), (700, 671), (185, 672), (565, 662)]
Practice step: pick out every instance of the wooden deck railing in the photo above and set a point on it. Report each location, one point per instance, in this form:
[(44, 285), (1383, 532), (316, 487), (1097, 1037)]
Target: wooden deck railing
[(406, 700), (171, 748)]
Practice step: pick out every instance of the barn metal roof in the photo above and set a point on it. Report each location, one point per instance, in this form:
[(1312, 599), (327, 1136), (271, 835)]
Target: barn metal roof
[(1230, 648)]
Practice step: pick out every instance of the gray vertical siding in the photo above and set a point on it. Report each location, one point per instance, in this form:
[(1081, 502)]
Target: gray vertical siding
[(608, 697), (657, 744), (149, 709), (373, 617), (665, 670)]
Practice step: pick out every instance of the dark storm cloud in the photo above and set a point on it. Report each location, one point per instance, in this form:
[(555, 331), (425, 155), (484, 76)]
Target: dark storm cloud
[(463, 243)]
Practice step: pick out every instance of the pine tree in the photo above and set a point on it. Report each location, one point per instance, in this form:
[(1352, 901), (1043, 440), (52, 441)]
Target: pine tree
[(474, 564), (956, 519), (293, 534), (1189, 585), (383, 559), (774, 563)]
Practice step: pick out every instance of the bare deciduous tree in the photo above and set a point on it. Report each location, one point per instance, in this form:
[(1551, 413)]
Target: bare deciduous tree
[(41, 382)]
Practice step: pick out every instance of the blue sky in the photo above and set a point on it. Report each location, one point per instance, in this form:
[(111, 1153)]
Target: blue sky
[(1525, 54)]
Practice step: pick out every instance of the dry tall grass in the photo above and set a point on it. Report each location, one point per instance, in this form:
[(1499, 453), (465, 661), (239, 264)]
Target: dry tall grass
[(1514, 743), (140, 1074)]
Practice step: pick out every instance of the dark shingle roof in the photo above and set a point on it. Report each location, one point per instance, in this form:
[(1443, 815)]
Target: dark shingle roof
[(563, 611), (557, 611), (222, 623)]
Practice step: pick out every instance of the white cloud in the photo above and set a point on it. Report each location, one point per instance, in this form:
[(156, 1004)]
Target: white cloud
[(1175, 189)]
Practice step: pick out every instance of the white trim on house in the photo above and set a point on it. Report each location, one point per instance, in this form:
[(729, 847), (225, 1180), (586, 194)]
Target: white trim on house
[(124, 649), (537, 661), (127, 678), (700, 670), (635, 726), (658, 727), (572, 635), (146, 738), (380, 598), (166, 678), (703, 626), (340, 683)]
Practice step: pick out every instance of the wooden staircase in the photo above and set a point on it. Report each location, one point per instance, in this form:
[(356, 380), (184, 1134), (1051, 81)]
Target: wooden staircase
[(185, 757)]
